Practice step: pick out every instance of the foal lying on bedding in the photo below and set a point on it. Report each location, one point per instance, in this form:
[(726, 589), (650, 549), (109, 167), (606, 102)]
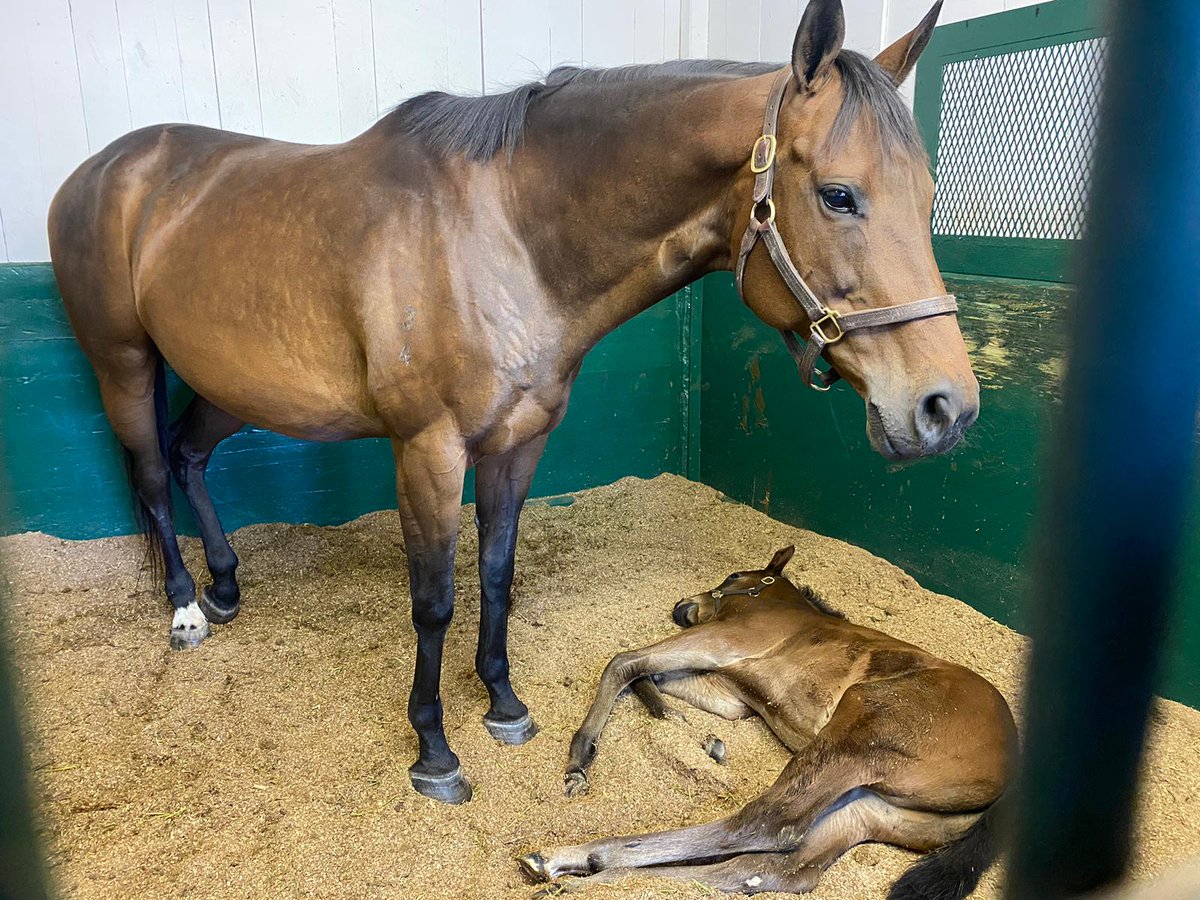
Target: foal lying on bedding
[(891, 744)]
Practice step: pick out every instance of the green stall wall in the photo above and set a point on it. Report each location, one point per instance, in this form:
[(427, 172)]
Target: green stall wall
[(65, 472), (961, 524)]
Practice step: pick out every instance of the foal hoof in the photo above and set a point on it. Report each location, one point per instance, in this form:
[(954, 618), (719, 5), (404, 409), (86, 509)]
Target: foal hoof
[(451, 788), (189, 628), (575, 784), (513, 733), (215, 611), (533, 867)]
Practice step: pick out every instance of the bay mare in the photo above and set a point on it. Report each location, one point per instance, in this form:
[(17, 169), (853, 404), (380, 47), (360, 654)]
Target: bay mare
[(438, 280)]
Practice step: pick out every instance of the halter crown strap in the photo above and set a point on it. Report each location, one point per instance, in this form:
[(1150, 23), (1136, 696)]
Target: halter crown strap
[(826, 325)]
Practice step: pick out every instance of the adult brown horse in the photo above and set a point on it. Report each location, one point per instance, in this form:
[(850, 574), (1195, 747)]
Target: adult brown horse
[(438, 280)]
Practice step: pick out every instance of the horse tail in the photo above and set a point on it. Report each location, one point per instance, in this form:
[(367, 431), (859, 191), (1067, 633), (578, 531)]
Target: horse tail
[(141, 513), (953, 870)]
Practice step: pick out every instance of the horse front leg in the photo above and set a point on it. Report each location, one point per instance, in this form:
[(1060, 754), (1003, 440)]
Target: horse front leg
[(429, 481), (501, 485)]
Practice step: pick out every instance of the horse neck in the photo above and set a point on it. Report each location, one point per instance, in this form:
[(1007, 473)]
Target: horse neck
[(626, 192)]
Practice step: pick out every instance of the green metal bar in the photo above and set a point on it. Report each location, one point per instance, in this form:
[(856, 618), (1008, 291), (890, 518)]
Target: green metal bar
[(1122, 464), (20, 856)]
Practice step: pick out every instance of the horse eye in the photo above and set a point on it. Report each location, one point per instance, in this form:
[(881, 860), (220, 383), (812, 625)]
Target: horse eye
[(839, 200)]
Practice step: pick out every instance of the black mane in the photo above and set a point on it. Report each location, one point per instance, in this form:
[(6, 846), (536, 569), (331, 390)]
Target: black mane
[(819, 602), (480, 127)]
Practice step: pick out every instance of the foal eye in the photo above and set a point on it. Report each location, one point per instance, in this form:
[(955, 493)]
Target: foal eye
[(839, 200)]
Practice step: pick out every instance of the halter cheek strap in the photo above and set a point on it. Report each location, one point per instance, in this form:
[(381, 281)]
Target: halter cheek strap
[(826, 325)]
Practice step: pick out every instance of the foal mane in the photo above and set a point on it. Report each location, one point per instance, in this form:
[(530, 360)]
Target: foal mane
[(480, 127), (819, 602)]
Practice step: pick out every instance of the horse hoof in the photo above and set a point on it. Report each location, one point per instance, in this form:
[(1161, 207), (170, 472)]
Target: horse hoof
[(215, 611), (451, 788), (575, 784), (513, 733), (189, 627), (533, 867)]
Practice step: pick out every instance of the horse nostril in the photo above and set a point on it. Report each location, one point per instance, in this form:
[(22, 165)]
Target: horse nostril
[(936, 415)]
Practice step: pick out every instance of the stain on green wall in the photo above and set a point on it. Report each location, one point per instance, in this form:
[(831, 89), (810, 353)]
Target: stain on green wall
[(66, 476), (960, 523)]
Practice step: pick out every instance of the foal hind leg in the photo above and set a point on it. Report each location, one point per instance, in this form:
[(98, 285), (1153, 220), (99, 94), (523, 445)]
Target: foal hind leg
[(859, 815), (132, 390), (193, 437), (501, 485)]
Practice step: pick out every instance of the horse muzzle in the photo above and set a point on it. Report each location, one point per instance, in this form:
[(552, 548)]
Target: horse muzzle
[(932, 425)]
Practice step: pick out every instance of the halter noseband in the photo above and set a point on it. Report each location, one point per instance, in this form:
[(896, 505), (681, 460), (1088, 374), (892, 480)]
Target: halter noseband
[(827, 326), (748, 592)]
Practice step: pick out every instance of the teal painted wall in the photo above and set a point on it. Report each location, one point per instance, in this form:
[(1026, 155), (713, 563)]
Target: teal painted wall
[(628, 416), (960, 523)]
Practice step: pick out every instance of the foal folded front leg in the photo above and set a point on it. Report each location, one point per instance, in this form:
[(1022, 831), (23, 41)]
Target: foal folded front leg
[(429, 483), (697, 650)]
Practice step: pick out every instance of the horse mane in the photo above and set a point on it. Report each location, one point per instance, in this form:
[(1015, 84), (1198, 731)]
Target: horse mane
[(480, 127), (819, 602)]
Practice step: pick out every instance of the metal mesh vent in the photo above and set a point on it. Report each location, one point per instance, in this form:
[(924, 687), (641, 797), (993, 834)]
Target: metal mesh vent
[(1015, 142)]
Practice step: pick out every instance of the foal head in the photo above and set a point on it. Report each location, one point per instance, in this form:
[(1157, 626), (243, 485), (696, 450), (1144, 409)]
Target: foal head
[(705, 606), (854, 196)]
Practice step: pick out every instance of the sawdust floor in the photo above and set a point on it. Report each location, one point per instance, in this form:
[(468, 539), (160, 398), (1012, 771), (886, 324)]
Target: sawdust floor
[(272, 761)]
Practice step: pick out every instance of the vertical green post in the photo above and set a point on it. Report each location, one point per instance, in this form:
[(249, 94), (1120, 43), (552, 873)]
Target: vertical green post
[(1122, 464)]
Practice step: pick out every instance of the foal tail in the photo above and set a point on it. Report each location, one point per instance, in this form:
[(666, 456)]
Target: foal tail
[(141, 513), (953, 870)]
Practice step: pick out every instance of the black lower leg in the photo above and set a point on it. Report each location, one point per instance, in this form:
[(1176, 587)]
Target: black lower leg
[(436, 772), (150, 480), (497, 545), (193, 438), (501, 486)]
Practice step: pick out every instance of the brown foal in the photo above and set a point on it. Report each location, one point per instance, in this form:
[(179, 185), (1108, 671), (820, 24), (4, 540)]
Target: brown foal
[(891, 744), (438, 280)]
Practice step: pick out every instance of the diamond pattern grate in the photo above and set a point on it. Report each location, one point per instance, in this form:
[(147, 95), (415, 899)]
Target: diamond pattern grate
[(1015, 142)]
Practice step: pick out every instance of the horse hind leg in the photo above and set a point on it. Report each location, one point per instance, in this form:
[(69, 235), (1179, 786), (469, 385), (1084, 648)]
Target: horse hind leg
[(133, 391), (193, 437)]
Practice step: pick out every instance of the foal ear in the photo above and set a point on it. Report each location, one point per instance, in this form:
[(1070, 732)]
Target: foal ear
[(781, 559), (818, 41), (899, 59)]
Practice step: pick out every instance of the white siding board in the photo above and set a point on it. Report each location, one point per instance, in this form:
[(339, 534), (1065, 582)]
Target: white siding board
[(297, 70), (608, 38), (40, 79), (198, 75), (150, 50), (354, 55), (235, 65), (566, 32), (96, 36)]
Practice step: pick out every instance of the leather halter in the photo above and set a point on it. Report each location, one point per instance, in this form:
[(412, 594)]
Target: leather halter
[(827, 326), (765, 581)]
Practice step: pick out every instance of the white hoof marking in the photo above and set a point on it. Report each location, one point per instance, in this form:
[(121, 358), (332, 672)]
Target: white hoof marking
[(189, 618)]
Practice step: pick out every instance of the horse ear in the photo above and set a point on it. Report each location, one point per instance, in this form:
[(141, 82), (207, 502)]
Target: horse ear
[(899, 59), (781, 559), (818, 41)]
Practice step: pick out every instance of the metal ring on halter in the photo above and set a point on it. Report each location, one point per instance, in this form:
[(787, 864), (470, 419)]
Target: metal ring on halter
[(763, 224), (768, 579)]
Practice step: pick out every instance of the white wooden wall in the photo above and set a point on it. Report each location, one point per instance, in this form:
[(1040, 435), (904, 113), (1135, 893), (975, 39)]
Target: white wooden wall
[(74, 74)]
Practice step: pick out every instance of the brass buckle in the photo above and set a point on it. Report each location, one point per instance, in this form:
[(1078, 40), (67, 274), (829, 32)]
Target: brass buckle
[(770, 151), (830, 318)]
